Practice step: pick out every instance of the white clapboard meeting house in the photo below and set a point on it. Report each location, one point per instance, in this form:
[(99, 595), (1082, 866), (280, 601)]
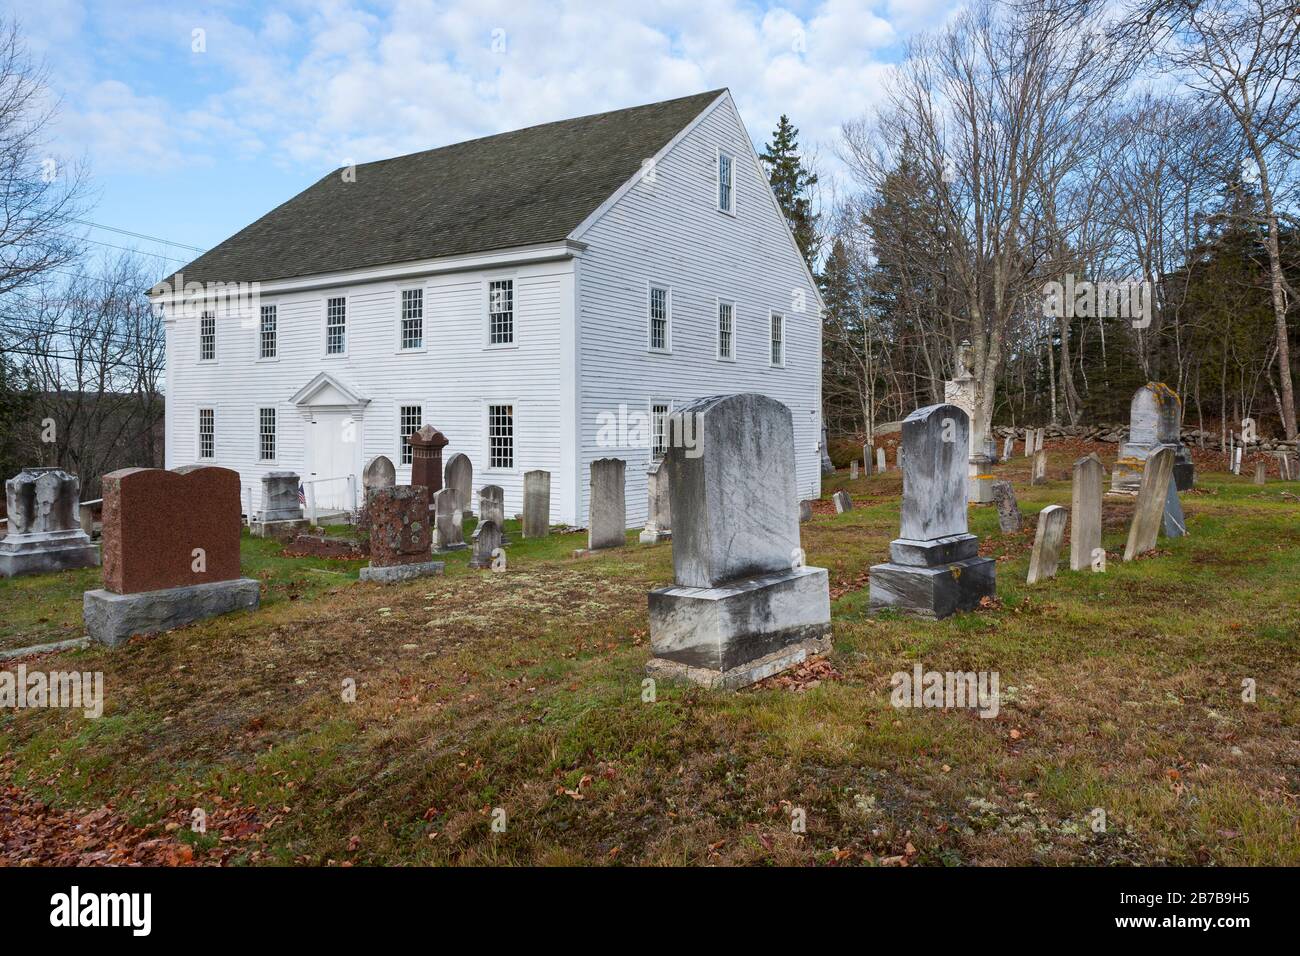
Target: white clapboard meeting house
[(543, 297)]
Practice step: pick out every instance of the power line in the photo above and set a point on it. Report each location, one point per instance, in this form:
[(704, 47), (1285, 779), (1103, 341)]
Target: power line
[(140, 252), (138, 235)]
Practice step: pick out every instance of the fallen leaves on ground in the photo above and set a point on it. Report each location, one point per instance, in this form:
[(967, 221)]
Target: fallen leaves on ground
[(805, 676)]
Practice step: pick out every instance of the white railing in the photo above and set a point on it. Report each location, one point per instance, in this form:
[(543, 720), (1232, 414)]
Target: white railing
[(309, 487)]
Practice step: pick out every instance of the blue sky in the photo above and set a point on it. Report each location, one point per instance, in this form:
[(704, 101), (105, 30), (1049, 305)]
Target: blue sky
[(196, 118)]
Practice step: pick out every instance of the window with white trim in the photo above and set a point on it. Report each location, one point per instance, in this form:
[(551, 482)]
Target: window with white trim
[(778, 339), (266, 434), (726, 330), (659, 429), (726, 186), (208, 337), (336, 326), (412, 318), (207, 434), (501, 312), (267, 344), (501, 436), (660, 316), (409, 419)]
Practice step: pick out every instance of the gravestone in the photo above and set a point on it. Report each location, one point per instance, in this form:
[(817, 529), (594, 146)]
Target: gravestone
[(868, 457), (659, 520), (1261, 475), (378, 473), (853, 470), (427, 444), (1004, 496), (1046, 555), (459, 476), (1155, 419), (1173, 523), (842, 502), (171, 552), (901, 457), (45, 532), (447, 529), (828, 466), (1008, 447), (281, 515), (1039, 438), (492, 505), (960, 392), (487, 539), (934, 566), (1152, 495), (400, 535), (744, 606), (1040, 468), (880, 460), (537, 504), (1029, 443), (607, 510), (805, 511), (1085, 512)]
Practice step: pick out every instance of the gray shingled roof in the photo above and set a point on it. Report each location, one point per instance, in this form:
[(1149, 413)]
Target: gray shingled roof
[(530, 186)]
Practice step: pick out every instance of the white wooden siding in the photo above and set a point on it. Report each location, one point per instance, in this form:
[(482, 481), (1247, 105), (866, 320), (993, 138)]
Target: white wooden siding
[(667, 229)]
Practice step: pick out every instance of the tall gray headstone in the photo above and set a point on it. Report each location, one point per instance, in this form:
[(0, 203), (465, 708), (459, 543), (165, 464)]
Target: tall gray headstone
[(1046, 555), (458, 475), (1040, 468), (280, 496), (44, 511), (1261, 472), (1085, 512), (1148, 516), (537, 504), (1008, 447), (659, 515), (880, 460), (744, 605), (447, 524), (1009, 518), (1029, 443), (607, 508), (492, 504), (934, 566), (853, 470), (379, 473), (868, 458), (1155, 420), (487, 539)]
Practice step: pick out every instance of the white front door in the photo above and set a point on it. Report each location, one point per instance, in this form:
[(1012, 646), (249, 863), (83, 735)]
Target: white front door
[(332, 453)]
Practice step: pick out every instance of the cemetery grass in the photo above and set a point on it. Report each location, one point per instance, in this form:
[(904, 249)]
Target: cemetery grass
[(523, 691)]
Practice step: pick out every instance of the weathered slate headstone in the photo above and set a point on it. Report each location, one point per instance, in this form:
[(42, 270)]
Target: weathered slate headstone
[(427, 444), (171, 552), (487, 539), (607, 509), (1040, 468), (935, 568), (902, 457), (853, 470), (400, 535), (45, 532), (1004, 497), (1155, 419), (1085, 512), (744, 605), (880, 460), (1173, 524), (447, 528), (868, 457), (659, 514), (459, 476), (492, 504), (1261, 474), (537, 504), (842, 502), (1152, 494), (1046, 555), (805, 511)]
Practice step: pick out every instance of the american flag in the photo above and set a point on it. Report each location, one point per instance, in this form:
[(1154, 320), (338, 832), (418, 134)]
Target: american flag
[(302, 496)]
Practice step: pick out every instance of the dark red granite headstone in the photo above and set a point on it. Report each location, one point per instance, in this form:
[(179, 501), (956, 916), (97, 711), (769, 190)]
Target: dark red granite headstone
[(426, 458), (155, 519), (400, 530)]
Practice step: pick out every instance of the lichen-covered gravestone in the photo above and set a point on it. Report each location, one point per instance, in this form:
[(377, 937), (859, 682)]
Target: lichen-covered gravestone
[(659, 520), (400, 534), (744, 605), (171, 552), (1152, 495), (487, 540), (492, 504), (45, 532), (935, 568), (607, 508), (1004, 497), (448, 527), (1155, 419), (459, 476), (537, 504), (1085, 512), (1045, 557)]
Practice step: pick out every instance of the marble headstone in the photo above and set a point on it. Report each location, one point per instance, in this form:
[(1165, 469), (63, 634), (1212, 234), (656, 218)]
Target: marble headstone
[(45, 533), (1040, 468), (537, 504), (458, 475), (487, 539), (659, 514), (1155, 418), (607, 508), (842, 502), (447, 522), (492, 504), (1046, 555), (280, 496), (1153, 493), (934, 566), (1085, 512)]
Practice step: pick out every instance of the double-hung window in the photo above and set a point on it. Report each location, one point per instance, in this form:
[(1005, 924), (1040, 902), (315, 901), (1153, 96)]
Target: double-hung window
[(778, 339), (726, 330), (267, 343), (266, 434), (412, 319), (208, 337), (501, 436), (207, 434), (336, 326), (726, 183), (660, 318), (410, 418), (501, 312)]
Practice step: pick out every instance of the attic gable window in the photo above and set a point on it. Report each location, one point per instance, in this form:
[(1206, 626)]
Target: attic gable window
[(726, 184)]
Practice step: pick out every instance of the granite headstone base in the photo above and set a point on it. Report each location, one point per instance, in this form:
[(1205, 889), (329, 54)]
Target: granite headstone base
[(393, 573), (280, 530), (932, 592), (740, 632), (655, 536), (113, 618), (40, 552)]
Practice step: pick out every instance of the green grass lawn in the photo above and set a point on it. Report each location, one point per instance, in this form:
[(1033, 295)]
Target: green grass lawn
[(519, 697)]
